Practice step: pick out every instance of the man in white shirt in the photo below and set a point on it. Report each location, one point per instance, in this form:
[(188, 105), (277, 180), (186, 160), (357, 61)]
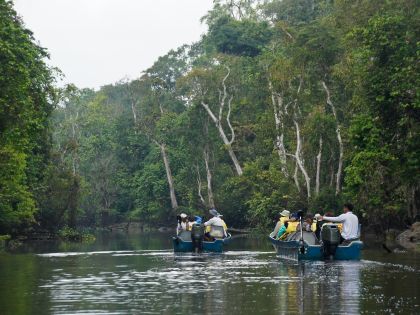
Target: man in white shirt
[(216, 220), (350, 223)]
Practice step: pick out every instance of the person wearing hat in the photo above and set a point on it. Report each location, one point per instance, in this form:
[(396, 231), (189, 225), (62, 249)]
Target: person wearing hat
[(183, 224), (284, 217), (216, 220)]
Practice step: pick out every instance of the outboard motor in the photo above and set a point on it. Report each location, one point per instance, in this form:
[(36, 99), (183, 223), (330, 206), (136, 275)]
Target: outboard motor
[(330, 236), (197, 237)]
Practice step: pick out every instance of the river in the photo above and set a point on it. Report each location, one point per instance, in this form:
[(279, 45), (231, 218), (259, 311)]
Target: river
[(139, 274)]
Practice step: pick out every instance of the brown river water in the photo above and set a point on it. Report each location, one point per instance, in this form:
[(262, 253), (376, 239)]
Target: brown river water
[(139, 274)]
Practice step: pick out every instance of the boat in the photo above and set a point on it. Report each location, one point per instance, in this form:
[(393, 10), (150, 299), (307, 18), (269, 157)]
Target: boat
[(183, 243), (305, 246)]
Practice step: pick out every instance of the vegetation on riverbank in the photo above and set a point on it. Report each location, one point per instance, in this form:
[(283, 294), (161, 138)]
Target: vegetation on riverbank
[(73, 235), (281, 104)]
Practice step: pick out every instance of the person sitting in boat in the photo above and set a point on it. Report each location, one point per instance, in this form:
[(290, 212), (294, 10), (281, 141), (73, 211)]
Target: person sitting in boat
[(307, 223), (183, 224), (282, 232), (320, 223), (350, 221), (220, 227), (284, 217), (197, 220)]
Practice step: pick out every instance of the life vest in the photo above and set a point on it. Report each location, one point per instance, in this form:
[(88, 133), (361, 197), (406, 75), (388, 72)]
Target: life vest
[(292, 226)]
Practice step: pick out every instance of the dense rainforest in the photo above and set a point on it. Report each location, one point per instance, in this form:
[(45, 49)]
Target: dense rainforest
[(282, 104)]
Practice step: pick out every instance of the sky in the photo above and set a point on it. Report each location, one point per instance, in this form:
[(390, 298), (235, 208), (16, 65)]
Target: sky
[(98, 42)]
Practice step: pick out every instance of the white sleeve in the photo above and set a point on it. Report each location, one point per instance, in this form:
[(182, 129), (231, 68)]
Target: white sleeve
[(209, 222), (338, 219)]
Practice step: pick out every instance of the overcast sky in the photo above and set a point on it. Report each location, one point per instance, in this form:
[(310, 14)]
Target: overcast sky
[(97, 42)]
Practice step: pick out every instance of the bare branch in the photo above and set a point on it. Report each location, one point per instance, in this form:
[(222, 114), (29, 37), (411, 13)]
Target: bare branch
[(232, 131), (339, 139), (212, 116)]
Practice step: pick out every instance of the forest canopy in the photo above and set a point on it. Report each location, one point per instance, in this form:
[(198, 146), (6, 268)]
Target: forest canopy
[(281, 105)]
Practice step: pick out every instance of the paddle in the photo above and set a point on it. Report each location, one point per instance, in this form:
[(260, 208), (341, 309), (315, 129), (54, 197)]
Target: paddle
[(302, 244)]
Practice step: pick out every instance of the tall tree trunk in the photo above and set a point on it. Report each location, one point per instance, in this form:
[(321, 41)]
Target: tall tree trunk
[(174, 202), (218, 123), (318, 167), (277, 103), (412, 202), (295, 177), (331, 163), (340, 140), (299, 159), (74, 138), (209, 178), (199, 184)]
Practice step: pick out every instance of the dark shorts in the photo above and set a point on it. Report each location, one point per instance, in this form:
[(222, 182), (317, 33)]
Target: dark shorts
[(347, 242)]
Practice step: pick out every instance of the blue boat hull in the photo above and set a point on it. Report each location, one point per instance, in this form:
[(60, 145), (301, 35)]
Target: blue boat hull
[(187, 246), (291, 250)]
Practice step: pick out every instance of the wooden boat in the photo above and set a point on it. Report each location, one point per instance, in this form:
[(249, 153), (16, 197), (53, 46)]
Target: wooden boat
[(310, 248), (183, 243)]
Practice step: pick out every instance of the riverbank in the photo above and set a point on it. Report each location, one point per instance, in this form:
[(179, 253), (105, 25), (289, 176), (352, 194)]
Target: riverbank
[(410, 239)]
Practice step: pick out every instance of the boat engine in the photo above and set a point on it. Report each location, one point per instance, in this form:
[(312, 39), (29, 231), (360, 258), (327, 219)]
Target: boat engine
[(197, 237), (330, 237)]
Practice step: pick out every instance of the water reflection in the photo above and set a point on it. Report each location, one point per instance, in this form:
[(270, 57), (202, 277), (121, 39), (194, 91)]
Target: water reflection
[(241, 281)]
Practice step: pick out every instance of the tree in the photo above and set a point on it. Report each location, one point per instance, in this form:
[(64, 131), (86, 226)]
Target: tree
[(27, 98)]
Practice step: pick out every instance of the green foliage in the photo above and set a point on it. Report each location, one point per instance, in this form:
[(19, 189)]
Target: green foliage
[(367, 62), (72, 235), (26, 101), (384, 170), (241, 38), (146, 149)]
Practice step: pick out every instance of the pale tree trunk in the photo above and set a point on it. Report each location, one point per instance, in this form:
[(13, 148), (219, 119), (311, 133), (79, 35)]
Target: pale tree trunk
[(277, 103), (331, 163), (318, 167), (133, 103), (218, 123), (74, 153), (199, 184), (225, 140), (340, 140), (133, 110), (295, 177), (299, 159), (174, 202), (209, 178), (298, 154)]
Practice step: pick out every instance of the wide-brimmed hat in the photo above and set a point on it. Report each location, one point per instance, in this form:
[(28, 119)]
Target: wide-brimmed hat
[(285, 213), (183, 215), (214, 213)]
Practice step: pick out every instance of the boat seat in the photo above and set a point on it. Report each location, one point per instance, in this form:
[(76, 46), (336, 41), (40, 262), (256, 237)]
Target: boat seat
[(308, 237), (185, 236)]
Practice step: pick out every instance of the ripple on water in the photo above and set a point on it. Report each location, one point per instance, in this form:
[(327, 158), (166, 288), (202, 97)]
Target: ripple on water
[(158, 281)]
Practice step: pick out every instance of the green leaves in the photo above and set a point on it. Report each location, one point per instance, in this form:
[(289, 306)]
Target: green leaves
[(241, 38), (26, 102)]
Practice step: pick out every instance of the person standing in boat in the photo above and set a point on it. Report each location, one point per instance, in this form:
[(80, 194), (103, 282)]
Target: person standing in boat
[(350, 223), (183, 224), (215, 221)]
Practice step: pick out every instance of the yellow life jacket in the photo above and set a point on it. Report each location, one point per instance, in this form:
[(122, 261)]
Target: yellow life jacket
[(292, 226)]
